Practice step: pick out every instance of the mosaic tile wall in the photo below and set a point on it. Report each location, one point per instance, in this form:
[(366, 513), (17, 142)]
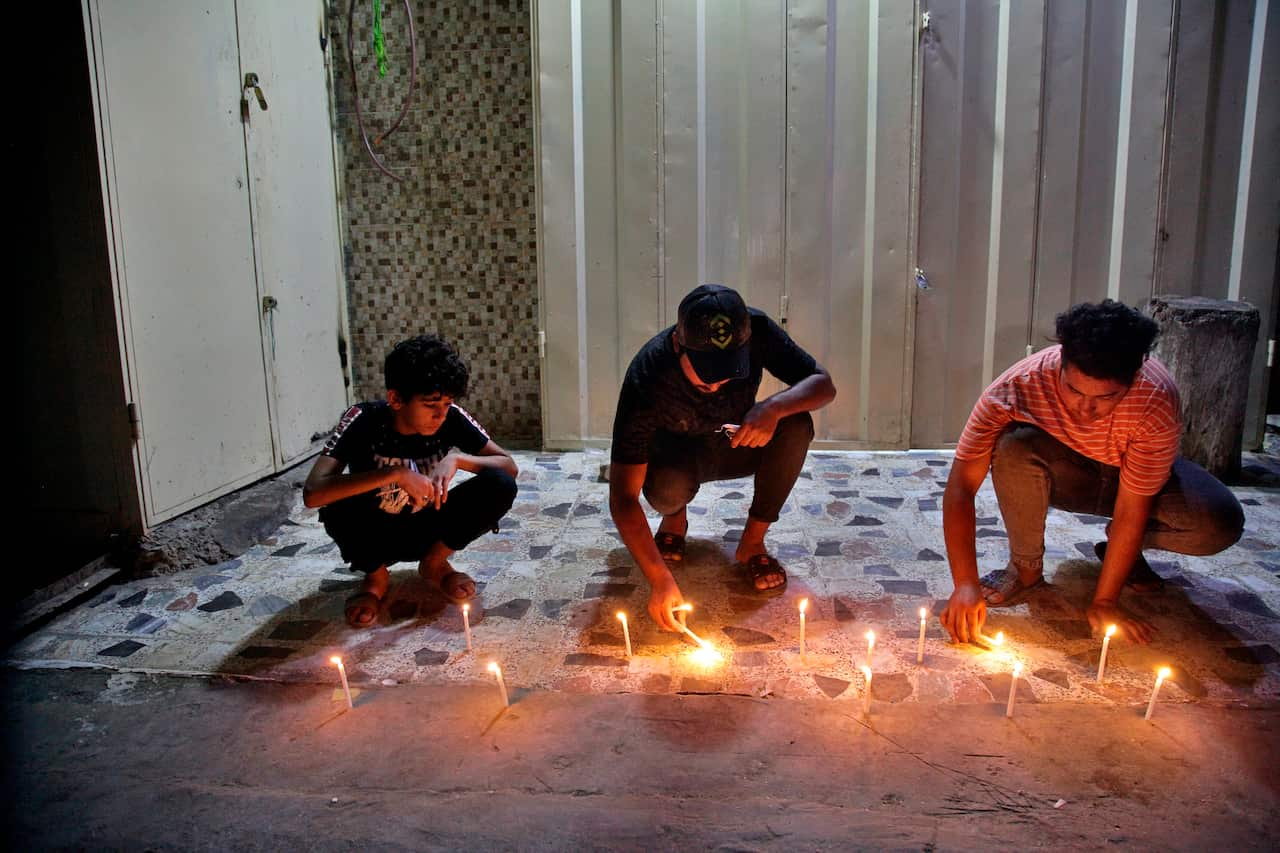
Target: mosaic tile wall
[(452, 248)]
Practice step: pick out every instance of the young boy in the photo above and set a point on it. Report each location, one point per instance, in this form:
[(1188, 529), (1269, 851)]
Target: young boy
[(395, 504)]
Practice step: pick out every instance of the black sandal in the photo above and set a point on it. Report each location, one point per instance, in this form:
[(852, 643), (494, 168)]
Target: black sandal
[(762, 566), (670, 546)]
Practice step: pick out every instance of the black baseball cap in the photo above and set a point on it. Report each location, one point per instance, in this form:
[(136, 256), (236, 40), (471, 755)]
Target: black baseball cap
[(713, 326)]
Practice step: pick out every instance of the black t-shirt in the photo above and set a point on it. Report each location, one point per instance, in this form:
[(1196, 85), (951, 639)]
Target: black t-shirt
[(657, 396), (366, 439)]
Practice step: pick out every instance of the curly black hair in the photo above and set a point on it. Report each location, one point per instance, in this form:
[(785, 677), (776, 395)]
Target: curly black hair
[(424, 365), (1106, 340)]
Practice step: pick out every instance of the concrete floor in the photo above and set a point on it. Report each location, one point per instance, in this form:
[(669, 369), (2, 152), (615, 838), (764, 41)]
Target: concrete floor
[(861, 537)]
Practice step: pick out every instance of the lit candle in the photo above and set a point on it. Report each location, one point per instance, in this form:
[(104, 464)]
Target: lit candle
[(804, 605), (342, 673), (871, 644), (1106, 642), (999, 638), (466, 623), (1164, 673), (626, 633), (866, 694), (1013, 689), (682, 613), (683, 610), (920, 645), (502, 685)]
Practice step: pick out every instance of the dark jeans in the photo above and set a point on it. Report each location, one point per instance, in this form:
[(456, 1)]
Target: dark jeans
[(679, 464), (369, 537), (1032, 471)]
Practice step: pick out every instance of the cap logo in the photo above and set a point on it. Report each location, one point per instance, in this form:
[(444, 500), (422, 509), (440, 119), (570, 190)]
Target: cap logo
[(721, 328)]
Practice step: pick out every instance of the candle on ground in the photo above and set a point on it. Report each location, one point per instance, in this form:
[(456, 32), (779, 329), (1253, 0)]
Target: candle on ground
[(1164, 673), (502, 685), (920, 645), (626, 634), (466, 623), (342, 673), (866, 693), (804, 605), (871, 644), (1106, 642), (1013, 689)]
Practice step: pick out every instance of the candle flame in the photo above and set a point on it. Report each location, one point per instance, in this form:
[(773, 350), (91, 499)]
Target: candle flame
[(923, 612), (1017, 669), (804, 604), (705, 655), (866, 672), (1111, 630), (494, 668), (999, 638), (335, 660), (686, 607), (466, 608), (622, 617), (871, 636), (1165, 672)]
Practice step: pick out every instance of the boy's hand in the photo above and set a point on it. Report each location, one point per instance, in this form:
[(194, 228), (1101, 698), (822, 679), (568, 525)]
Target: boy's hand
[(965, 613), (420, 489), (441, 474), (1104, 613), (757, 427)]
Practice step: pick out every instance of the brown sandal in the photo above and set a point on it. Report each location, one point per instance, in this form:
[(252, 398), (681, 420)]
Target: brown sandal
[(761, 566), (670, 546)]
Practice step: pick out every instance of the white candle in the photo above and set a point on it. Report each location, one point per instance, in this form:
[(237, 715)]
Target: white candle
[(1164, 673), (466, 623), (866, 693), (342, 673), (1013, 689), (626, 634), (682, 613), (920, 645), (871, 644), (502, 685), (1106, 642), (804, 605)]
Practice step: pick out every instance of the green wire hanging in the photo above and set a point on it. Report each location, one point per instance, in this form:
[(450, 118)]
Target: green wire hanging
[(379, 42)]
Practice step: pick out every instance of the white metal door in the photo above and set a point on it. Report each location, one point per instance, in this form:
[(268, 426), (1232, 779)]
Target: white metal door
[(763, 145), (167, 96), (295, 209)]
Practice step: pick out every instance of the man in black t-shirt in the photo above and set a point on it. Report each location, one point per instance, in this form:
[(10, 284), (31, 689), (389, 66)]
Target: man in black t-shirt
[(394, 503), (688, 414)]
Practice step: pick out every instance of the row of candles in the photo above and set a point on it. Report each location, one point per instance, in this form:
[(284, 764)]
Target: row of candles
[(706, 654)]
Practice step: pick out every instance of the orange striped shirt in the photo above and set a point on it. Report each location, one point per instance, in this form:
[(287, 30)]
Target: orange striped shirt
[(1140, 436)]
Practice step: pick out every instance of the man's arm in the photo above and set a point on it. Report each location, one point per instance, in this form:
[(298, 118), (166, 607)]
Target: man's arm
[(625, 483), (1124, 544), (966, 611), (809, 394)]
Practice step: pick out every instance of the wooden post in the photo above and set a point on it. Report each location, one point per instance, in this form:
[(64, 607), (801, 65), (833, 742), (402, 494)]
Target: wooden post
[(1207, 344)]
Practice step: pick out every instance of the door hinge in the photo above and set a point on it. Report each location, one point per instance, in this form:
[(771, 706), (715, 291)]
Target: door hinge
[(251, 85), (782, 309), (542, 344), (135, 421), (1030, 348), (922, 280), (926, 21), (1271, 352)]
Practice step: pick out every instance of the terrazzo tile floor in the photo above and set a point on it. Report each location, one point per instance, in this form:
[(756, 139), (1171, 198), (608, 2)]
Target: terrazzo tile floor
[(860, 536)]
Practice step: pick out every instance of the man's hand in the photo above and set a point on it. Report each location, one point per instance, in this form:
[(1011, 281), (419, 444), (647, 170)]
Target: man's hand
[(440, 475), (1104, 613), (420, 489), (757, 427), (965, 613), (665, 596)]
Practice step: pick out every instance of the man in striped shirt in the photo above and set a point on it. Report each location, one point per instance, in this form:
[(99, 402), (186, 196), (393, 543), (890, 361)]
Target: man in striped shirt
[(1091, 425)]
